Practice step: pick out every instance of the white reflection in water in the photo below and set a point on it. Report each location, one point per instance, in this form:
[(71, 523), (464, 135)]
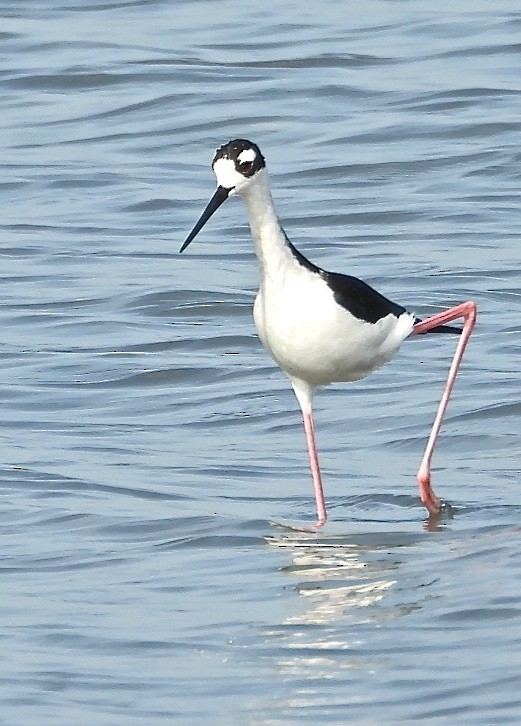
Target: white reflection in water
[(347, 589), (335, 580)]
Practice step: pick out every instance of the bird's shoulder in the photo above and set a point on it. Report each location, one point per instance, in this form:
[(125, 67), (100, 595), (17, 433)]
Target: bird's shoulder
[(353, 294)]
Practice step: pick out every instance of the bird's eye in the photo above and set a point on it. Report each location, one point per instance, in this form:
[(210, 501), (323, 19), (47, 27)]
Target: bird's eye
[(246, 162), (246, 167)]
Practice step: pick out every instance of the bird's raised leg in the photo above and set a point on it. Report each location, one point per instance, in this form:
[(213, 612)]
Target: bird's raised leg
[(467, 311), (304, 394)]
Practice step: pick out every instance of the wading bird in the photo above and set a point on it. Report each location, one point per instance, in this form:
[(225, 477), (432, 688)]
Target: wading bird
[(322, 327)]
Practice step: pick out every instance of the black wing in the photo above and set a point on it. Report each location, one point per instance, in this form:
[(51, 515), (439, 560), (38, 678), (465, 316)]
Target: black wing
[(359, 298)]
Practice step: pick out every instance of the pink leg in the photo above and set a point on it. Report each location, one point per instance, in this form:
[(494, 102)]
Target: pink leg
[(315, 469), (304, 394), (467, 311)]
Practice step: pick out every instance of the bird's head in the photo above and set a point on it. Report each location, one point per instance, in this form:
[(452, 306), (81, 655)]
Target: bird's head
[(236, 165)]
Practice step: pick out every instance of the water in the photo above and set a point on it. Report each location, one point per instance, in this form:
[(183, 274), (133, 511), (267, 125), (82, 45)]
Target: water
[(149, 446)]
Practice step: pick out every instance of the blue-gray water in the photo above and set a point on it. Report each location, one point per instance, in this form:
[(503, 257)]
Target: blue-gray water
[(148, 444)]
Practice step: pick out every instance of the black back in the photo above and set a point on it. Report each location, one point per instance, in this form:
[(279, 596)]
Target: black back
[(356, 296), (359, 298), (362, 301)]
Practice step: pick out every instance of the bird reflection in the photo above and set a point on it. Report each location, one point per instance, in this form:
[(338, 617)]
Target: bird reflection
[(350, 590), (340, 579)]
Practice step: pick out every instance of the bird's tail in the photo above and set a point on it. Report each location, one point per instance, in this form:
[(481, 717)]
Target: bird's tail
[(439, 329)]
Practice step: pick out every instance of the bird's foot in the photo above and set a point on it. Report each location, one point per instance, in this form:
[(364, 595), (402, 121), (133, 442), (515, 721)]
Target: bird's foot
[(429, 499), (435, 520)]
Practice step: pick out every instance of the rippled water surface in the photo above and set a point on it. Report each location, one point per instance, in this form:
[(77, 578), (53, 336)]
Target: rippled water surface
[(149, 447)]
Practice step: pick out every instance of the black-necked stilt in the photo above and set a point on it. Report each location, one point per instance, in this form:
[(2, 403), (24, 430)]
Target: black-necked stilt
[(322, 327)]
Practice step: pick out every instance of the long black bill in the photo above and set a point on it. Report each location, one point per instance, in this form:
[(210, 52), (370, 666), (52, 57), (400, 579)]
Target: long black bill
[(220, 196)]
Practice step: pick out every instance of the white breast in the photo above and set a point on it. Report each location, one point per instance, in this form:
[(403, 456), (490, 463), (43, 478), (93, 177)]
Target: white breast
[(314, 339)]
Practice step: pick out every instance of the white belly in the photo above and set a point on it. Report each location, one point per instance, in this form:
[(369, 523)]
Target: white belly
[(314, 339)]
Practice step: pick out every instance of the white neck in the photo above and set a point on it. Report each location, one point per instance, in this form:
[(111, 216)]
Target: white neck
[(271, 245)]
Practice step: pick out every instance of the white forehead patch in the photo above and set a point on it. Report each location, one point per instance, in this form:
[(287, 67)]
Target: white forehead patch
[(247, 155), (226, 173)]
